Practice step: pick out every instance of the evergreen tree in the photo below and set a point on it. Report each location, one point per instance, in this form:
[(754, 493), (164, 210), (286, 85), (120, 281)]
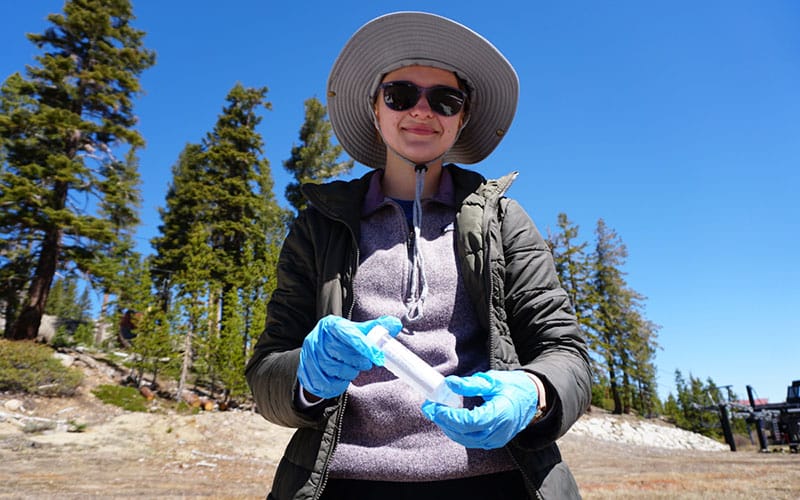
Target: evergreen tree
[(247, 224), (63, 299), (606, 295), (642, 347), (240, 186), (573, 268), (17, 257), (694, 408), (188, 204), (193, 284), (153, 343), (229, 357), (16, 264), (120, 208), (316, 159), (223, 189), (84, 331), (623, 339), (60, 129), (571, 263), (72, 312)]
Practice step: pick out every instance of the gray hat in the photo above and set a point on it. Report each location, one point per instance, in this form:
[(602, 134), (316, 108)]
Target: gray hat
[(404, 39)]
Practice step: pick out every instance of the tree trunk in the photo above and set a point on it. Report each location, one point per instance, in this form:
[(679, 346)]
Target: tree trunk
[(187, 361), (612, 383), (12, 302), (30, 318), (100, 332), (627, 390)]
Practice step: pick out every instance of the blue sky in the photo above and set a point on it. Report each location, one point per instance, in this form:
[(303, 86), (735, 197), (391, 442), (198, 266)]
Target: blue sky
[(676, 122)]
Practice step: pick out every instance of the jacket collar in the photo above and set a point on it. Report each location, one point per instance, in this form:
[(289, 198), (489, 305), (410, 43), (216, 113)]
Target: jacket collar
[(345, 200)]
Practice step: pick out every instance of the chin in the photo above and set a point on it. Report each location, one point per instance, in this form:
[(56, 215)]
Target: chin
[(424, 156)]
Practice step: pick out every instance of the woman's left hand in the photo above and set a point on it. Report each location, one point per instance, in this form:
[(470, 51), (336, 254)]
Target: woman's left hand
[(511, 400)]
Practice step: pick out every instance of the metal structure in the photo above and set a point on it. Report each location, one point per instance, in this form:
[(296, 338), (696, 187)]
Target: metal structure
[(777, 423)]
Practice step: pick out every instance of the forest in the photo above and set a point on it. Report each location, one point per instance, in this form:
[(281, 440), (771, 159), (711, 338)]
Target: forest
[(193, 308)]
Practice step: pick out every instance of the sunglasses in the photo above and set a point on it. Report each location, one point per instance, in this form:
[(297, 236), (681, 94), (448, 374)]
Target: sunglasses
[(443, 100)]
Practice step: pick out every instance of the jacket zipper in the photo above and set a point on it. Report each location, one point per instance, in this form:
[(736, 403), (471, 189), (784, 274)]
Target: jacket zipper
[(492, 362), (337, 434), (338, 426), (487, 218), (490, 284)]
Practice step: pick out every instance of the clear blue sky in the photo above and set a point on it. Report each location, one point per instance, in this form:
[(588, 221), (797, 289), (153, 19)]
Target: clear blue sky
[(676, 122)]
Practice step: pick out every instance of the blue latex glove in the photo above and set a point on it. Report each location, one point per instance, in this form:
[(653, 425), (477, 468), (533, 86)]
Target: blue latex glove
[(511, 400), (335, 352)]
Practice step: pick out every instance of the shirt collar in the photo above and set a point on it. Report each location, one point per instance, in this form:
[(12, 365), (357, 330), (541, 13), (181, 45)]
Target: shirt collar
[(445, 194)]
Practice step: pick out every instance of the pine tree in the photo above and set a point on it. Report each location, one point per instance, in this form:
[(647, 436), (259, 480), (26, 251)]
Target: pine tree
[(63, 299), (193, 284), (605, 296), (60, 128), (240, 185), (573, 267), (153, 342), (315, 160), (623, 339), (223, 188), (695, 405), (247, 224), (229, 357), (188, 204), (120, 208), (16, 263)]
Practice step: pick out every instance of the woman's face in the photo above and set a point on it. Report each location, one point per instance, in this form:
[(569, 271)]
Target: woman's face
[(418, 133)]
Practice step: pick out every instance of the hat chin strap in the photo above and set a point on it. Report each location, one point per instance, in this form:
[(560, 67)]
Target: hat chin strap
[(418, 283)]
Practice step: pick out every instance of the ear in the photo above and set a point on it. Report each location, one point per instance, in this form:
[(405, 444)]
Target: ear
[(377, 124)]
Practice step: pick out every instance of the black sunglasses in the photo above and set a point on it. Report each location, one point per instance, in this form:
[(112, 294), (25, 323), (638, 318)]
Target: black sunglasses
[(443, 100)]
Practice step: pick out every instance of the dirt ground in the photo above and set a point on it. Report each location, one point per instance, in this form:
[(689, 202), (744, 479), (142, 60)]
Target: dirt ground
[(233, 454)]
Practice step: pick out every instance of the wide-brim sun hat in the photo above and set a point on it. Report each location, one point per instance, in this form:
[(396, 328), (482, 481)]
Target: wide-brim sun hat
[(400, 39)]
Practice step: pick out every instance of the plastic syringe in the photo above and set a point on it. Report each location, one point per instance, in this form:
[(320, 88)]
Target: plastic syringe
[(411, 369)]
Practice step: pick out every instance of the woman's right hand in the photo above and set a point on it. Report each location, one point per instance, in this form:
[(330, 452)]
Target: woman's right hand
[(336, 351)]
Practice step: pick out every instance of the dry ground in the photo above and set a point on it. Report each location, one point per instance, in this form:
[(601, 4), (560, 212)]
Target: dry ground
[(233, 455)]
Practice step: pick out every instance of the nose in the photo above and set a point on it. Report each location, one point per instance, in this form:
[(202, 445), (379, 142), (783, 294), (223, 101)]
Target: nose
[(422, 107)]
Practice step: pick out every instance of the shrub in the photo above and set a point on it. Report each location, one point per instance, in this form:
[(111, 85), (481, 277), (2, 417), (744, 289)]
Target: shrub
[(31, 368), (127, 398)]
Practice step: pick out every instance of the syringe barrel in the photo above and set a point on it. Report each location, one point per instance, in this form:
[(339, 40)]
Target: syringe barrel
[(411, 369)]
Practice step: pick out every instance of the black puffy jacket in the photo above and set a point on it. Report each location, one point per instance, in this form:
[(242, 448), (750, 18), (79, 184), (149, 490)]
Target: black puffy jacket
[(509, 272)]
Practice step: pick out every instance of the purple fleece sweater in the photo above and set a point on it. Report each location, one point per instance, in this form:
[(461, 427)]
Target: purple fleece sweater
[(384, 434)]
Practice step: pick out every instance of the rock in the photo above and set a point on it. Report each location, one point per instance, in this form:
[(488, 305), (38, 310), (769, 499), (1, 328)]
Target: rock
[(13, 405), (65, 359), (643, 433)]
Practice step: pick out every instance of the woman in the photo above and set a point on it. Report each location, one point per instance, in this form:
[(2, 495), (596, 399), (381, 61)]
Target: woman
[(443, 260)]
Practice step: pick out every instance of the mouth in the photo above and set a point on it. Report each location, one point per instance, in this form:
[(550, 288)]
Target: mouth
[(420, 130)]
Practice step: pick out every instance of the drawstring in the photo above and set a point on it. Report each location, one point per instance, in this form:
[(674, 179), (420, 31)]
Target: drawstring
[(418, 284)]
